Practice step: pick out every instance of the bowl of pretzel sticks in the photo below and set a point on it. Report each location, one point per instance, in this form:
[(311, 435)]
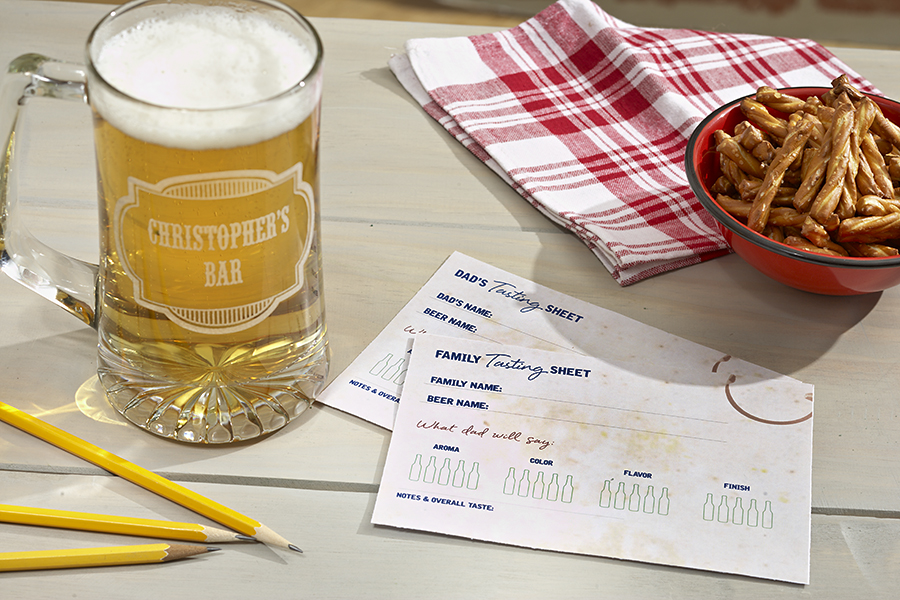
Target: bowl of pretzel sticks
[(804, 184)]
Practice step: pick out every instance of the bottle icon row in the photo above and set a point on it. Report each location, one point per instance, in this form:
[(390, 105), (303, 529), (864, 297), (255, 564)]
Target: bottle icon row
[(634, 501), (538, 489), (389, 369), (446, 475), (735, 513)]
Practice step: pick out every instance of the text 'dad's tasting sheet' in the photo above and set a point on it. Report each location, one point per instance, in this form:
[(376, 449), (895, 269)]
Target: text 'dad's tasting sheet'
[(707, 468)]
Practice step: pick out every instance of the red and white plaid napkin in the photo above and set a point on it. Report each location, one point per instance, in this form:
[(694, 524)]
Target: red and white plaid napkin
[(588, 118)]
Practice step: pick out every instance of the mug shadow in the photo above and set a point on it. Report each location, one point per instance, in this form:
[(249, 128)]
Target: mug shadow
[(73, 400)]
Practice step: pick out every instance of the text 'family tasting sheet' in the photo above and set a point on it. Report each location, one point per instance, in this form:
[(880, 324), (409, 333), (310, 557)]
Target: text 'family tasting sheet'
[(527, 417)]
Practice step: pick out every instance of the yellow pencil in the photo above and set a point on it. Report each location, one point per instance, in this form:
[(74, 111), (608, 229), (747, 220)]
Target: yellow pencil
[(170, 530), (109, 556), (142, 477)]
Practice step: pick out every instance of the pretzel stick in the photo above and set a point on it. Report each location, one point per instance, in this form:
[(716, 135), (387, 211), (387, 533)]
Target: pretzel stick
[(894, 167), (750, 187), (830, 194), (860, 175), (882, 126), (842, 85), (846, 207), (794, 123), (757, 114), (814, 232), (764, 152), (884, 146), (723, 185), (873, 206), (824, 113), (750, 137), (774, 233), (733, 206), (862, 120), (865, 115), (805, 244), (870, 250), (779, 100), (733, 150), (870, 230), (818, 133), (781, 216), (865, 180), (784, 156), (875, 162), (815, 175)]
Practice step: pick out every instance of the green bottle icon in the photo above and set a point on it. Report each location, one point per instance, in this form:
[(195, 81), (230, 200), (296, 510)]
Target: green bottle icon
[(415, 469), (430, 470), (767, 516), (509, 484), (568, 490), (525, 484), (649, 501), (621, 497), (537, 490), (709, 509), (662, 507), (634, 500), (553, 488), (737, 514), (606, 494), (472, 481), (752, 514)]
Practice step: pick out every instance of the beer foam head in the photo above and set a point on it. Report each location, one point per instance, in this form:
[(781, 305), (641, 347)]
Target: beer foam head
[(212, 63)]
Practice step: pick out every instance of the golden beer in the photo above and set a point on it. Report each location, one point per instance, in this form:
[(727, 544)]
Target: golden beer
[(210, 316)]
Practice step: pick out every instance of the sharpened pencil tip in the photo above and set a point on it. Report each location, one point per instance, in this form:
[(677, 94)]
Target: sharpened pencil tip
[(244, 538), (267, 536), (212, 548)]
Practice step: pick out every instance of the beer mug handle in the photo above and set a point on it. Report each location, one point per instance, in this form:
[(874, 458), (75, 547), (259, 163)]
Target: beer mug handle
[(67, 281)]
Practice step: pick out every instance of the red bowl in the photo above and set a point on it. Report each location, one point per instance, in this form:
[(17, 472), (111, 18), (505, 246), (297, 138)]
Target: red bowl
[(808, 271)]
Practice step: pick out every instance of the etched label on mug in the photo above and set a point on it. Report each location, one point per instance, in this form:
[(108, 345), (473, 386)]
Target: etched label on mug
[(216, 252)]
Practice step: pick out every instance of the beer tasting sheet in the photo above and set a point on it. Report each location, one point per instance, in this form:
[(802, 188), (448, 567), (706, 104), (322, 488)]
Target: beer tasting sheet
[(527, 417), (566, 452)]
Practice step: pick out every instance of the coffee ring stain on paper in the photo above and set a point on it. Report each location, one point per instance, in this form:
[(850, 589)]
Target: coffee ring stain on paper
[(737, 407)]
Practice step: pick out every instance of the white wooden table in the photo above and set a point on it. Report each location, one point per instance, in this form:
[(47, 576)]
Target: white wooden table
[(398, 196)]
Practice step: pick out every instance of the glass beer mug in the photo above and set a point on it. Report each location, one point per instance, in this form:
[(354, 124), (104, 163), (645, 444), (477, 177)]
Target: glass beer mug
[(207, 299)]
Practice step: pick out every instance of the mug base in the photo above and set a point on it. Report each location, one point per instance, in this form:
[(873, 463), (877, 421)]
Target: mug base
[(213, 395)]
